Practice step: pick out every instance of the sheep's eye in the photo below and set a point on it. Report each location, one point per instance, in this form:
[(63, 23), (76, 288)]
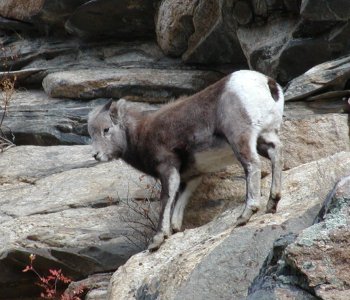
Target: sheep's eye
[(105, 130)]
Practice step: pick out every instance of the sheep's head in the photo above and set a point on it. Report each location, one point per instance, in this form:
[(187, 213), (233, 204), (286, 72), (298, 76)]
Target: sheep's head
[(107, 130)]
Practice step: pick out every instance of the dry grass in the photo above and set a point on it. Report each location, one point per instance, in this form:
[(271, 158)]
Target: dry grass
[(142, 216), (7, 91)]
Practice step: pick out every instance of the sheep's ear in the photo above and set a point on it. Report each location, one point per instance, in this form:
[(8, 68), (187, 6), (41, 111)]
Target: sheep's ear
[(107, 106), (117, 111)]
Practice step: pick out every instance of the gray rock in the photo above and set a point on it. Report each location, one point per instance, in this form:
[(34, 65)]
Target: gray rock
[(9, 24), (174, 25), (326, 10), (20, 53), (201, 31), (321, 251), (218, 262), (96, 285), (20, 11), (25, 77), (243, 13), (55, 161), (316, 42), (263, 45), (40, 181), (331, 75), (148, 85), (102, 18), (311, 265), (49, 55), (47, 17), (214, 39), (277, 46), (36, 119), (33, 118), (74, 215), (267, 286), (106, 18), (307, 138)]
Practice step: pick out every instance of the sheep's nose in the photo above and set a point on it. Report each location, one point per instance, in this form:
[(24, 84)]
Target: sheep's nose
[(95, 156)]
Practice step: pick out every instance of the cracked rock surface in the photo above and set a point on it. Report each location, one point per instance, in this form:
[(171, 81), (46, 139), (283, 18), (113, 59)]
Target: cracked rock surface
[(314, 263), (55, 202)]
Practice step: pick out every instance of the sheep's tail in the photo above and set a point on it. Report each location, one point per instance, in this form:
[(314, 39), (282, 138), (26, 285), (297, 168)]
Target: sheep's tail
[(275, 89)]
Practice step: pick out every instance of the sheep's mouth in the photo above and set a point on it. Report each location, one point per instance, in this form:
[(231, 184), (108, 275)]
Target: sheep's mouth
[(101, 157)]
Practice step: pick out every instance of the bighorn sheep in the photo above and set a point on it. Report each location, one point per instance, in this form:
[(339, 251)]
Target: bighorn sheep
[(241, 114)]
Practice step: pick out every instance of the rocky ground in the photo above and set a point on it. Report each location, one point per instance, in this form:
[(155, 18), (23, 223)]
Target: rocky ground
[(93, 220)]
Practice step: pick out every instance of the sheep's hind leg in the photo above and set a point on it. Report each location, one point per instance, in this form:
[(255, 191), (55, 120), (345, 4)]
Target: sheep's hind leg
[(269, 145), (246, 152)]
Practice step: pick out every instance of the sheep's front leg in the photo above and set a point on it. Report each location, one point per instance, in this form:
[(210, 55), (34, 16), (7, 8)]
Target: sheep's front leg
[(170, 180)]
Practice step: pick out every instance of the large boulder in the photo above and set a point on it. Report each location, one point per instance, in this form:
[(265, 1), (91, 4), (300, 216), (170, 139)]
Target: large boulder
[(328, 10), (113, 18), (306, 138), (20, 10), (272, 35), (312, 265), (84, 18), (321, 45), (20, 53), (77, 216), (35, 119), (263, 44), (218, 261), (276, 47), (281, 34), (328, 76), (148, 85), (321, 252), (56, 54), (174, 25), (42, 15), (214, 39), (199, 31)]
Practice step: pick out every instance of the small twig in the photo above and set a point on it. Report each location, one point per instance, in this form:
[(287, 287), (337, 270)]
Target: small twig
[(141, 218)]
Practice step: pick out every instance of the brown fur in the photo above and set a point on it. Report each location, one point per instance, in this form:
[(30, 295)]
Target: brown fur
[(172, 135), (273, 88)]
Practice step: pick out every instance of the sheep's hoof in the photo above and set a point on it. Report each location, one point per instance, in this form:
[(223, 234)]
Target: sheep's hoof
[(271, 210), (245, 216), (175, 228), (241, 221), (271, 206), (157, 240)]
